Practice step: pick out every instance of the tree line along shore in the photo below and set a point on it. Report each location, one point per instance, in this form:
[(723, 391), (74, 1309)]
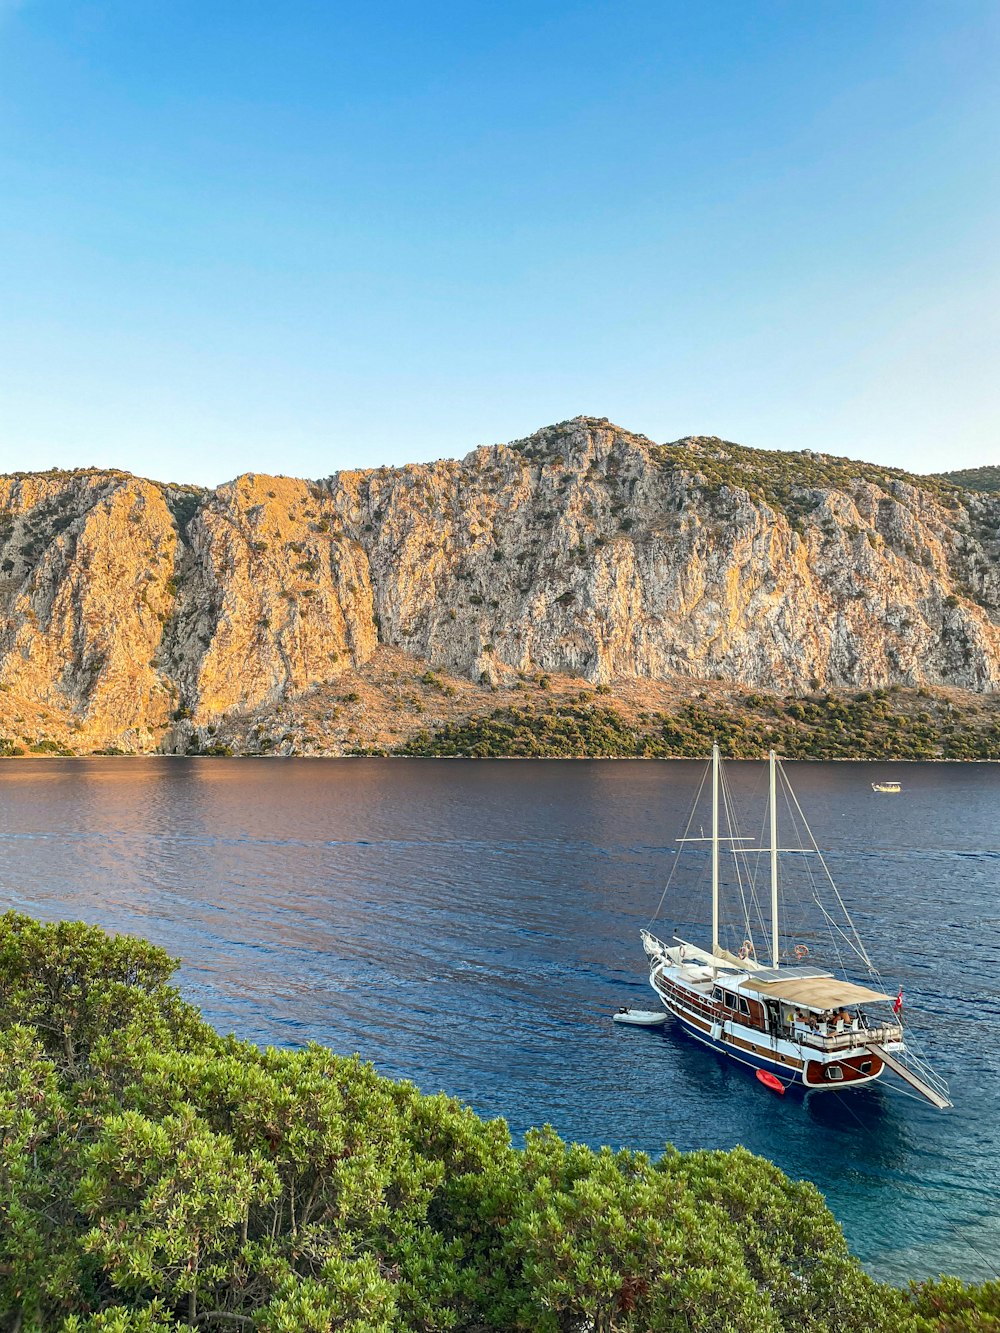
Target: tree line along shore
[(549, 719)]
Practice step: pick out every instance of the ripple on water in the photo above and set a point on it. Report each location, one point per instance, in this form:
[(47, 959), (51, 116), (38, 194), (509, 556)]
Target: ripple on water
[(473, 926)]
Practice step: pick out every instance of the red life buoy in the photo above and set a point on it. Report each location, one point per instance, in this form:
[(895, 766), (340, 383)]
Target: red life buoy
[(801, 951)]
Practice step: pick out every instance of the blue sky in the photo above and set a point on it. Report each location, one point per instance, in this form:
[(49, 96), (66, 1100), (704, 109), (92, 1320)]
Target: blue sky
[(302, 236)]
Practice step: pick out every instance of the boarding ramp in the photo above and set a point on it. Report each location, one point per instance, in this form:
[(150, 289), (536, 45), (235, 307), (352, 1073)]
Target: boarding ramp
[(926, 1083)]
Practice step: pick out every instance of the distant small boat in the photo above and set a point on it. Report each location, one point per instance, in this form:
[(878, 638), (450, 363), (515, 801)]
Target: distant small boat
[(640, 1018), (889, 787)]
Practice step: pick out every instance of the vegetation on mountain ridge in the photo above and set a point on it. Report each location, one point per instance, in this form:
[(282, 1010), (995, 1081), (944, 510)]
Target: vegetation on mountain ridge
[(553, 717), (778, 477), (975, 478)]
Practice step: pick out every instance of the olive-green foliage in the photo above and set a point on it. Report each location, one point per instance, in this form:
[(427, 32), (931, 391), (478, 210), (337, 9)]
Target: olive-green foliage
[(870, 725), (155, 1176), (949, 1306), (523, 733), (781, 478), (784, 480), (975, 478)]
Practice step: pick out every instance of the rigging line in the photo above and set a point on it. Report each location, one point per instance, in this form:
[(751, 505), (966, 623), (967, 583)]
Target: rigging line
[(677, 855), (752, 874), (739, 852), (826, 870), (797, 819), (732, 827), (810, 877), (901, 1092), (834, 926)]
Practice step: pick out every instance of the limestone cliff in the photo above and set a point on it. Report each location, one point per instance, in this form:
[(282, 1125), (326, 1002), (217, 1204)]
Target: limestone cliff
[(136, 615)]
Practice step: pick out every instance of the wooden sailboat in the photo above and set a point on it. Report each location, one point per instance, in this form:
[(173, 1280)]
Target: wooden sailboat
[(796, 1021)]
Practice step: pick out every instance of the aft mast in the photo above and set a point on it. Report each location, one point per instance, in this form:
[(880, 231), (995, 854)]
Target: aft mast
[(715, 851), (773, 807)]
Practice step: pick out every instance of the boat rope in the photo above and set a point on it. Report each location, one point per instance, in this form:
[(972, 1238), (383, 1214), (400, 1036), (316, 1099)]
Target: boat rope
[(856, 943), (727, 805), (954, 1229), (740, 858), (687, 830)]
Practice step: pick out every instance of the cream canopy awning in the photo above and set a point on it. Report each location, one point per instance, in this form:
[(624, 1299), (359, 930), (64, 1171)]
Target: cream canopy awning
[(815, 992)]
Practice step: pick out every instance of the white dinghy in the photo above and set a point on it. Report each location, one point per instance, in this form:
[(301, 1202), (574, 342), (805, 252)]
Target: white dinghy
[(640, 1018)]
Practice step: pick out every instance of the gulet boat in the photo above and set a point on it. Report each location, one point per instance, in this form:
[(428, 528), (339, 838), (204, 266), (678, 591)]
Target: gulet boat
[(768, 1004)]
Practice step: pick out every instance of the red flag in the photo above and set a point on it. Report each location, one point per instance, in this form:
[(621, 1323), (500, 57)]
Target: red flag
[(897, 1004)]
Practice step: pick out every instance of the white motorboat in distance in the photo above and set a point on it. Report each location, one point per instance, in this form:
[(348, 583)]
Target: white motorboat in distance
[(890, 788)]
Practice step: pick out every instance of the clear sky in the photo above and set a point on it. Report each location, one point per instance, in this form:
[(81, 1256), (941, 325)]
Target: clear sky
[(291, 237)]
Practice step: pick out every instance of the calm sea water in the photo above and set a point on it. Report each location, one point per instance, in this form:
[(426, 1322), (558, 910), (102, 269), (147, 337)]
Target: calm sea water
[(472, 926)]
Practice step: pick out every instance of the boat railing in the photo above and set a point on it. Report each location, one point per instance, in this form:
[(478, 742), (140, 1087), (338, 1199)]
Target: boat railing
[(850, 1037)]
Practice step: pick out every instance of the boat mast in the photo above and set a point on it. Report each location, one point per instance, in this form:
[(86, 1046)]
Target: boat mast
[(715, 850), (773, 807)]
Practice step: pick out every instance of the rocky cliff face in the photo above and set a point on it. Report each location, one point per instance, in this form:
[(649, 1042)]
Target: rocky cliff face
[(132, 613)]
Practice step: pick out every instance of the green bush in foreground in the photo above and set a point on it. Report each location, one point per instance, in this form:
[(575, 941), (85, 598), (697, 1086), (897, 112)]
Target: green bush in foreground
[(155, 1176)]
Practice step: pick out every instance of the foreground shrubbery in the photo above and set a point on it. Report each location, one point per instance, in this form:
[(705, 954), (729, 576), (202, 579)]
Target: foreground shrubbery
[(154, 1176), (863, 726)]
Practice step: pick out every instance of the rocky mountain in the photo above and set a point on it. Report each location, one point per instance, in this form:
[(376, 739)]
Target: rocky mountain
[(143, 616)]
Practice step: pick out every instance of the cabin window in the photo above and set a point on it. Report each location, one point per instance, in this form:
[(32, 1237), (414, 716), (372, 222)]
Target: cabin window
[(717, 994), (834, 1073), (744, 1007), (730, 1000), (865, 1066)]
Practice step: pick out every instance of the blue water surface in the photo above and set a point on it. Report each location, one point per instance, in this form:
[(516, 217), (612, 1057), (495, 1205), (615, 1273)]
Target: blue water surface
[(473, 925)]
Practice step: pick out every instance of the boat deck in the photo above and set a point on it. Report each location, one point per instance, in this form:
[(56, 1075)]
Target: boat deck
[(847, 1039)]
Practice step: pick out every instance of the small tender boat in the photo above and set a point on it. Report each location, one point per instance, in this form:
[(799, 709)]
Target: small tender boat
[(640, 1018), (890, 788), (765, 1003), (771, 1081)]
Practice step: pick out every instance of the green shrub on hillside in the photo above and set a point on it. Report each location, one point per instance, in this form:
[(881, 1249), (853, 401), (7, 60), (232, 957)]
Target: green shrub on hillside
[(865, 726), (975, 478), (785, 479), (155, 1176)]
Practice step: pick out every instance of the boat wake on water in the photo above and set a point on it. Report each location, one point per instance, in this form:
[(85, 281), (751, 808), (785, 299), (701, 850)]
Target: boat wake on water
[(795, 1012)]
